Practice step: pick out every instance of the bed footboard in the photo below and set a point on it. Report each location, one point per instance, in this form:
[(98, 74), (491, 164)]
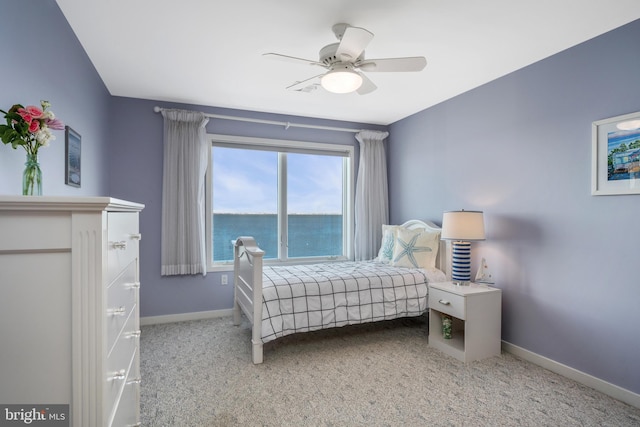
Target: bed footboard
[(247, 279)]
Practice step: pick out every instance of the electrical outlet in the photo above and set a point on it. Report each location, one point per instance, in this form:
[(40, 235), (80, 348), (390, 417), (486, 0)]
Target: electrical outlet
[(224, 279)]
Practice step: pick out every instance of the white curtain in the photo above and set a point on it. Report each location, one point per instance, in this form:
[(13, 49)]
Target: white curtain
[(372, 201), (183, 200)]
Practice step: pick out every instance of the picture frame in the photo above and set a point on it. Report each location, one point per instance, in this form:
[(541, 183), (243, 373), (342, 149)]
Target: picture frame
[(615, 168), (72, 151)]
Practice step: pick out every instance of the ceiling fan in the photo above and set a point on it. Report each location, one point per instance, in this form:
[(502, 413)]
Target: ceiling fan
[(346, 63)]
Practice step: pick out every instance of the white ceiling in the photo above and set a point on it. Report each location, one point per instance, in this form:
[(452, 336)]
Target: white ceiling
[(209, 52)]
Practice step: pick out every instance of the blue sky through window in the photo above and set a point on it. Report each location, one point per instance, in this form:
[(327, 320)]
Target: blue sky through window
[(246, 181)]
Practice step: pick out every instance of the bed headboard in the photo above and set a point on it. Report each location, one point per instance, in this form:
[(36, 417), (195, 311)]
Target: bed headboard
[(442, 260)]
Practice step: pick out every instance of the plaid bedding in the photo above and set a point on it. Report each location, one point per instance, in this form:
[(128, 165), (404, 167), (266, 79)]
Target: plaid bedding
[(305, 298)]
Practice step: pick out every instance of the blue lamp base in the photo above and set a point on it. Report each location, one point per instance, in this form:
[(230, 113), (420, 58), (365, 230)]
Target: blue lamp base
[(461, 262)]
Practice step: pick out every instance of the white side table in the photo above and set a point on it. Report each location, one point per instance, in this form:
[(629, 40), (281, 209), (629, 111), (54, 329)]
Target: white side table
[(475, 311)]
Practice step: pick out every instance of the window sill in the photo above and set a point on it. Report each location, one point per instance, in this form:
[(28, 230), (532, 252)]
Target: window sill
[(228, 267)]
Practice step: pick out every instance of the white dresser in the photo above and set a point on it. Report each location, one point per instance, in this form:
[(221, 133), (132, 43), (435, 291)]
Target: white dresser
[(69, 307)]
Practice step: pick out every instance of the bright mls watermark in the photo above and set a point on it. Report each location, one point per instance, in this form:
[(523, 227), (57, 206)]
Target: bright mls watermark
[(36, 415)]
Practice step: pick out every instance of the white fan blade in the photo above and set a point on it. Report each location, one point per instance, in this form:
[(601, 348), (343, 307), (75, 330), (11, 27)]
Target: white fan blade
[(295, 85), (353, 42), (292, 58), (415, 63), (367, 86), (309, 88)]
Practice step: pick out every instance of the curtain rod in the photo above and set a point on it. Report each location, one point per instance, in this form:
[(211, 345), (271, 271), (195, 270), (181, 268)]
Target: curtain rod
[(286, 125)]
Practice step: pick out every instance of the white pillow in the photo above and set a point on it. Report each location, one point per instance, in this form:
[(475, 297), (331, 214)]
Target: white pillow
[(415, 248), (385, 254)]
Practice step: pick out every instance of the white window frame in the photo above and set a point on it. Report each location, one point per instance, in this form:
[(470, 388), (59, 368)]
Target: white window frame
[(347, 152)]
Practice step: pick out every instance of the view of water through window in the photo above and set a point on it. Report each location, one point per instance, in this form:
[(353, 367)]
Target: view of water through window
[(309, 235), (245, 202)]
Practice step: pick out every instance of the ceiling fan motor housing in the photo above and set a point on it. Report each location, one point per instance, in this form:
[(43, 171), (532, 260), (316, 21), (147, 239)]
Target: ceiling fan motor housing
[(329, 58)]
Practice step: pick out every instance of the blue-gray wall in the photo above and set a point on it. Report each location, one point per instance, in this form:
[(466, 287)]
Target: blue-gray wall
[(137, 175), (41, 58), (519, 148)]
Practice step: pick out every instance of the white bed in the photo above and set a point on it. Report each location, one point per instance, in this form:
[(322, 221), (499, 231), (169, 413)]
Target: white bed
[(287, 299)]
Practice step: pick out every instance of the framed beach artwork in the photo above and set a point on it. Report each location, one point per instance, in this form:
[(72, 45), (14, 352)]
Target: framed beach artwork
[(615, 165), (73, 145)]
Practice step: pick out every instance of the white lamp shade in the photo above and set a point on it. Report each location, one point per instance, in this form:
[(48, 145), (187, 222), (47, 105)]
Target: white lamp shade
[(463, 226), (341, 81)]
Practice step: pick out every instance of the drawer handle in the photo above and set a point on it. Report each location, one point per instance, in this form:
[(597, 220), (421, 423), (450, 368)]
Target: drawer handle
[(134, 381), (117, 376), (117, 311), (134, 334), (119, 245), (132, 285), (136, 236), (444, 302)]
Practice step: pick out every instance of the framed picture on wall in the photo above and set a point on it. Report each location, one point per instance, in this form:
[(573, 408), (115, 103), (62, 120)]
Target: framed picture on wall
[(615, 165), (73, 145)]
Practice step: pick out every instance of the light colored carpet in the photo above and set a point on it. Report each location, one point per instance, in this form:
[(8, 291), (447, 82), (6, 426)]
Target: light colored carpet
[(200, 373)]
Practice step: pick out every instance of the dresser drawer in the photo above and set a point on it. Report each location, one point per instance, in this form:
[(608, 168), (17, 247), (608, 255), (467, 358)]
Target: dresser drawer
[(120, 360), (122, 296), (32, 230), (122, 241), (448, 303), (127, 412)]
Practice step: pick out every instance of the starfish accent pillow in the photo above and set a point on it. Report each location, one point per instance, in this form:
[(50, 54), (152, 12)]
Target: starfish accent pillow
[(414, 248)]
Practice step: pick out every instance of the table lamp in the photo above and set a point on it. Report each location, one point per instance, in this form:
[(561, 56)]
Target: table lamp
[(462, 227)]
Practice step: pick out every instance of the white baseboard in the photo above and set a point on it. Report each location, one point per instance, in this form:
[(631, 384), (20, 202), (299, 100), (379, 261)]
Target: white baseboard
[(183, 317), (602, 386)]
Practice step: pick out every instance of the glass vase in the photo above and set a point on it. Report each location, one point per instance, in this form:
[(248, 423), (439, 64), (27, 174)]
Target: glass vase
[(32, 177)]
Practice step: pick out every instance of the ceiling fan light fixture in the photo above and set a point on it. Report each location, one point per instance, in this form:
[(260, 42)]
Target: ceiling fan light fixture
[(341, 81)]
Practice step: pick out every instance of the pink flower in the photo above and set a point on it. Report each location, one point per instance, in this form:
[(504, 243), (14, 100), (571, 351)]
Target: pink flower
[(54, 124), (30, 127), (25, 115), (34, 126), (35, 112)]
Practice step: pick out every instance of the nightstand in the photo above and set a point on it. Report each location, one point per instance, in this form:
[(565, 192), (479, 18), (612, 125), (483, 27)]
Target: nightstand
[(475, 313)]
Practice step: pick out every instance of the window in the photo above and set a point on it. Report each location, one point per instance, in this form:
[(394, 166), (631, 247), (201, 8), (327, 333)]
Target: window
[(294, 198)]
